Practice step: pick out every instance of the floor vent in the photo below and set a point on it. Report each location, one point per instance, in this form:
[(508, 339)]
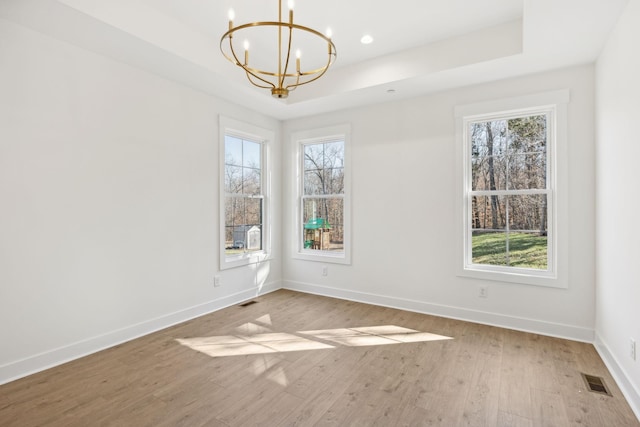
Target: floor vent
[(595, 384), (245, 304)]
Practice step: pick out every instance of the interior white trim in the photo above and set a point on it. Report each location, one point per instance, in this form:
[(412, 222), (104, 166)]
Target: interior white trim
[(575, 333), (619, 375), (40, 362)]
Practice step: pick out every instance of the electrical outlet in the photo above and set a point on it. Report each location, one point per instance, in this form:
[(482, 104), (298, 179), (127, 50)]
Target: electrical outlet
[(216, 281), (325, 270), (632, 348), (483, 292)]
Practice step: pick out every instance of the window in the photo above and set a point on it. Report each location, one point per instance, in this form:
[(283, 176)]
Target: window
[(509, 211), (243, 193), (322, 226)]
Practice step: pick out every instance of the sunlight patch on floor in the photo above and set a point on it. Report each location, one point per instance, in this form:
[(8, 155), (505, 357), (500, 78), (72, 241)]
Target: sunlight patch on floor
[(374, 335), (260, 342), (253, 344)]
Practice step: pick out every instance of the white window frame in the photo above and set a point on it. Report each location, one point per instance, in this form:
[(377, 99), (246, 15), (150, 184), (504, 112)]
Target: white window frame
[(318, 136), (229, 126), (554, 105)]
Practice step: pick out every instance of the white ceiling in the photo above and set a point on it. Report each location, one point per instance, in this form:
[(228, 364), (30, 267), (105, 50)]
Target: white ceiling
[(420, 46)]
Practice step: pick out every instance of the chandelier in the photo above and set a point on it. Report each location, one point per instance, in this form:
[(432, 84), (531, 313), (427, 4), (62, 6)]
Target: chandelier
[(278, 75)]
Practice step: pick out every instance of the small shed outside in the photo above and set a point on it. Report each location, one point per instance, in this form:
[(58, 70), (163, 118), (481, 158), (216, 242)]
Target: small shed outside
[(247, 236)]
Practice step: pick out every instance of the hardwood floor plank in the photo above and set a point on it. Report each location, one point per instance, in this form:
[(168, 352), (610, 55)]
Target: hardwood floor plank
[(515, 376), (506, 419), (548, 409)]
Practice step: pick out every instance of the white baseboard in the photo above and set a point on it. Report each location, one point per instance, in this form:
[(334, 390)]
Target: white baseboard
[(628, 389), (21, 368), (558, 330)]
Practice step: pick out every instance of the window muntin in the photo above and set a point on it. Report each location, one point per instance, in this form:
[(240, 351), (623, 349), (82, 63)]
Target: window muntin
[(323, 195), (509, 196)]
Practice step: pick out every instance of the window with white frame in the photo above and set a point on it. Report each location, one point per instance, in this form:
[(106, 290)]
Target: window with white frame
[(509, 213), (323, 220), (244, 191)]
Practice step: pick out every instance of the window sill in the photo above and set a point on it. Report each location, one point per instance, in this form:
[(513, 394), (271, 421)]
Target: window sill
[(243, 260), (519, 276), (320, 256)]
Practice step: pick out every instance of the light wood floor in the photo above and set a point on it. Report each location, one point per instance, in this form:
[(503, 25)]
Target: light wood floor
[(483, 376)]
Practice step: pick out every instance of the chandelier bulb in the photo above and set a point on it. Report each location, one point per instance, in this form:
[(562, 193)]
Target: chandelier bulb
[(232, 15), (246, 45), (329, 33), (290, 4)]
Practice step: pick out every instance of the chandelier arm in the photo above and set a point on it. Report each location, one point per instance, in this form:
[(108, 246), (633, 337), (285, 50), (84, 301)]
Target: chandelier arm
[(321, 72), (233, 58), (249, 77), (293, 87), (249, 71), (286, 64)]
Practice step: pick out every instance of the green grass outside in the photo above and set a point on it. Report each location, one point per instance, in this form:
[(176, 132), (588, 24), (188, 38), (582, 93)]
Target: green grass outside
[(526, 250)]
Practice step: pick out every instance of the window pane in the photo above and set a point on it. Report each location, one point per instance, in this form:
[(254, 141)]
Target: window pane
[(528, 235), (313, 157), (523, 243), (232, 179), (234, 211), (488, 213), (323, 220), (334, 181), (253, 211), (528, 134), (488, 138), (527, 171), (251, 181), (314, 182), (246, 238), (528, 152), (489, 247), (488, 150), (234, 216), (228, 241), (242, 166), (232, 151), (243, 225), (488, 238), (334, 154), (251, 154), (528, 213), (489, 173), (324, 168)]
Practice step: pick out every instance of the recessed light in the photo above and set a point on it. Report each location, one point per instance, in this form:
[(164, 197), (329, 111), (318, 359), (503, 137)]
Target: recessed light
[(391, 91), (366, 39)]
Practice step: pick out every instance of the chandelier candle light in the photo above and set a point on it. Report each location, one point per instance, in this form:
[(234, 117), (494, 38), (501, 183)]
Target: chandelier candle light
[(281, 80)]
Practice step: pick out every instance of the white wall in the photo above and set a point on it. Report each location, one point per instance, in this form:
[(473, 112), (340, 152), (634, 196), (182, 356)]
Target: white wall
[(109, 203), (618, 205), (404, 222)]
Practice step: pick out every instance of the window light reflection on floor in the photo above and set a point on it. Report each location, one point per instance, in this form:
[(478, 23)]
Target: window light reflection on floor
[(280, 342)]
